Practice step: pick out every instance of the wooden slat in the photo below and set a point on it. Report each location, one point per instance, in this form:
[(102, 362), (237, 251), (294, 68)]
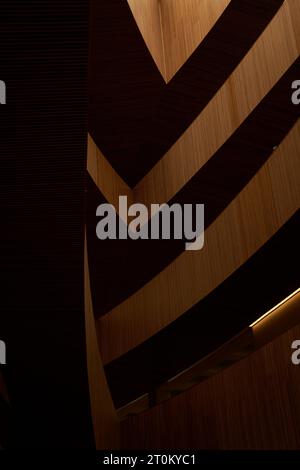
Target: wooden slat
[(183, 168), (215, 185), (247, 223), (172, 29), (105, 177), (269, 58), (278, 321), (106, 426), (265, 63), (252, 405), (148, 17), (213, 321), (135, 121)]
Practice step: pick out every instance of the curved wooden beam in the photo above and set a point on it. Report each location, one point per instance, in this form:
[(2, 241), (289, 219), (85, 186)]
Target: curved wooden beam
[(266, 62), (251, 405), (132, 109), (224, 313), (215, 184), (240, 174), (185, 168), (270, 57), (230, 241), (281, 318), (105, 177), (147, 15), (105, 422), (172, 29)]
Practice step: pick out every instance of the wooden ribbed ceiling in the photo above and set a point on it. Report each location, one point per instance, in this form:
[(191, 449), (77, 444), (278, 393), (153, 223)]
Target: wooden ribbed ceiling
[(134, 116), (211, 124)]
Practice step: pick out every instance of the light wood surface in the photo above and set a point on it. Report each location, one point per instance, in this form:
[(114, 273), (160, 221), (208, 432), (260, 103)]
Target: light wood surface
[(266, 62), (147, 15), (105, 422), (134, 116), (264, 205), (185, 24), (279, 320), (240, 227), (272, 54), (172, 29), (105, 177), (251, 405), (260, 412)]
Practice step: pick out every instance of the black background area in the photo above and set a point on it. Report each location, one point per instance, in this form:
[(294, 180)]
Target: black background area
[(43, 126)]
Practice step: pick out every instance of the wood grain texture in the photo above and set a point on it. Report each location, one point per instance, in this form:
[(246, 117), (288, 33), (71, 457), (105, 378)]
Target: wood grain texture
[(280, 319), (184, 26), (215, 184), (105, 177), (269, 58), (276, 49), (264, 205), (172, 29), (213, 322), (148, 17), (134, 117), (105, 422), (251, 405)]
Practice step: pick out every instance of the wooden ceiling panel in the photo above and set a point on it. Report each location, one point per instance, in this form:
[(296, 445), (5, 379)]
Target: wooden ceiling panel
[(172, 29), (253, 217), (131, 264), (134, 116), (217, 318)]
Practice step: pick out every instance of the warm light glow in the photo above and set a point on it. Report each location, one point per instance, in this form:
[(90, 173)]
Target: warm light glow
[(275, 308)]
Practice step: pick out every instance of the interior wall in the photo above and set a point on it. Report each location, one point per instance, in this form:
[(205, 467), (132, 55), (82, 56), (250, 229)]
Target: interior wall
[(105, 177), (251, 405), (185, 24), (147, 16), (171, 292), (235, 235), (172, 29), (269, 58), (105, 422)]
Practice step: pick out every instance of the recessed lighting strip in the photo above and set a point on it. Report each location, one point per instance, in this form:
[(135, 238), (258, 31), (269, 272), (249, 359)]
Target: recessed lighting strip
[(297, 291)]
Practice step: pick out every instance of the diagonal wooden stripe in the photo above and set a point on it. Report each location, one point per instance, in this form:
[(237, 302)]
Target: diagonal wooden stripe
[(135, 121), (271, 56), (252, 405), (105, 177), (105, 422), (265, 204), (276, 49), (172, 29), (130, 264), (232, 307)]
